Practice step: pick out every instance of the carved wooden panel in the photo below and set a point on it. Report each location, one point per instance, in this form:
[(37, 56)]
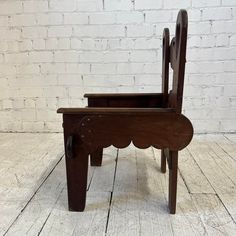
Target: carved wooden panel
[(165, 130)]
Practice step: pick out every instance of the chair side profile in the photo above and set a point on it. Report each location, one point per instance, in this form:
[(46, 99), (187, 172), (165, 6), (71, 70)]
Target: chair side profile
[(145, 119)]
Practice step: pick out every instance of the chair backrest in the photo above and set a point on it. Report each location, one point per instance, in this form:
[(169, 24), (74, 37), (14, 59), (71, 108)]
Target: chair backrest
[(175, 54)]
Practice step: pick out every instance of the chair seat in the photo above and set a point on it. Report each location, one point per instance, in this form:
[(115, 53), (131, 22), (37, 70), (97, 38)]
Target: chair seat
[(144, 100)]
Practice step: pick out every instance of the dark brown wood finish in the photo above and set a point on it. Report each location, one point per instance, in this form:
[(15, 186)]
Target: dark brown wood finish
[(125, 100), (96, 157), (165, 65), (165, 81), (119, 119), (76, 166), (173, 174), (177, 61)]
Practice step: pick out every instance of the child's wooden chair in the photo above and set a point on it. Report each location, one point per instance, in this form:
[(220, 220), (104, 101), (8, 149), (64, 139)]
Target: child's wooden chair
[(117, 119)]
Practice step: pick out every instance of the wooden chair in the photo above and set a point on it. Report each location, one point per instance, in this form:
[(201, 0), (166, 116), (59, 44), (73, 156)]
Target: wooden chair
[(117, 119)]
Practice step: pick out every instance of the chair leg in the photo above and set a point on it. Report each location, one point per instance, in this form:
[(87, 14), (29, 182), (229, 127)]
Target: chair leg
[(96, 158), (77, 170), (173, 173), (163, 161)]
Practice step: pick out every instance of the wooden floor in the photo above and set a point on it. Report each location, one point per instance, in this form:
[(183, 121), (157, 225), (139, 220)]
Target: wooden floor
[(126, 196)]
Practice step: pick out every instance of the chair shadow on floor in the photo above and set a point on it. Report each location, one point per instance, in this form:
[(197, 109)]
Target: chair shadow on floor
[(149, 195), (141, 197)]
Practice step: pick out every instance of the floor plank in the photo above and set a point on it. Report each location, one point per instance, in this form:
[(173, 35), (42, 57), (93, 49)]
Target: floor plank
[(224, 153), (33, 217), (192, 175), (126, 196), (186, 221), (216, 219), (93, 220), (211, 165), (139, 207), (26, 160)]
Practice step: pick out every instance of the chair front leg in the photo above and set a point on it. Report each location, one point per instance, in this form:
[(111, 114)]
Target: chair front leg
[(77, 171), (173, 173), (96, 158)]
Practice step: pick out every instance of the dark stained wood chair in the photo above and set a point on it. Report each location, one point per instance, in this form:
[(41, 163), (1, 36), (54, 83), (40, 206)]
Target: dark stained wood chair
[(117, 119)]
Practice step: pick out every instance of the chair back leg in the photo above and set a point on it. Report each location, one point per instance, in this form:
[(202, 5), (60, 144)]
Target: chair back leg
[(163, 161), (96, 158)]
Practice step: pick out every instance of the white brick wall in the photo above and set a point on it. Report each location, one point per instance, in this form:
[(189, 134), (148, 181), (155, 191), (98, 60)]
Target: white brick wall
[(53, 51)]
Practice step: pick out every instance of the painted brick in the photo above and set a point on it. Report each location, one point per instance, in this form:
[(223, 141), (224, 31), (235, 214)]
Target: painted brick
[(99, 31), (70, 79), (222, 40), (17, 58), (216, 14), (10, 7), (228, 2), (49, 19), (75, 18), (41, 56), (62, 6), (143, 56), (158, 16), (25, 45), (147, 43), (63, 43), (77, 68), (67, 56), (22, 20), (130, 68), (208, 3), (176, 4), (223, 27), (148, 4), (35, 6), (52, 68), (115, 5), (75, 43), (27, 69), (140, 30), (4, 20), (34, 32), (118, 56), (233, 40), (38, 44), (89, 6), (53, 51), (51, 43), (10, 34), (103, 68), (59, 31), (129, 17), (102, 18)]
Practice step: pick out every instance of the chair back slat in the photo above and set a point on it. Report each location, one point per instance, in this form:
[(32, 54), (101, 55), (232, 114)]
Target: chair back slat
[(177, 59), (165, 65)]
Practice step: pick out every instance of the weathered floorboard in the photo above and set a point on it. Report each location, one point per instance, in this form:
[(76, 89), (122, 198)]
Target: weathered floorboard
[(25, 162), (93, 221), (126, 195)]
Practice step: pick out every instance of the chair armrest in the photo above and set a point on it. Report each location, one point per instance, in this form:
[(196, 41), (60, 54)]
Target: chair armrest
[(114, 111), (120, 95)]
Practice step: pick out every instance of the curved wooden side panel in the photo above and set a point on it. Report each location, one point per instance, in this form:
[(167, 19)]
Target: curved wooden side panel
[(165, 65), (167, 130)]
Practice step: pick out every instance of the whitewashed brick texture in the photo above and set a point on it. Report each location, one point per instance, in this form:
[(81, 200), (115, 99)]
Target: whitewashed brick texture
[(53, 51)]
